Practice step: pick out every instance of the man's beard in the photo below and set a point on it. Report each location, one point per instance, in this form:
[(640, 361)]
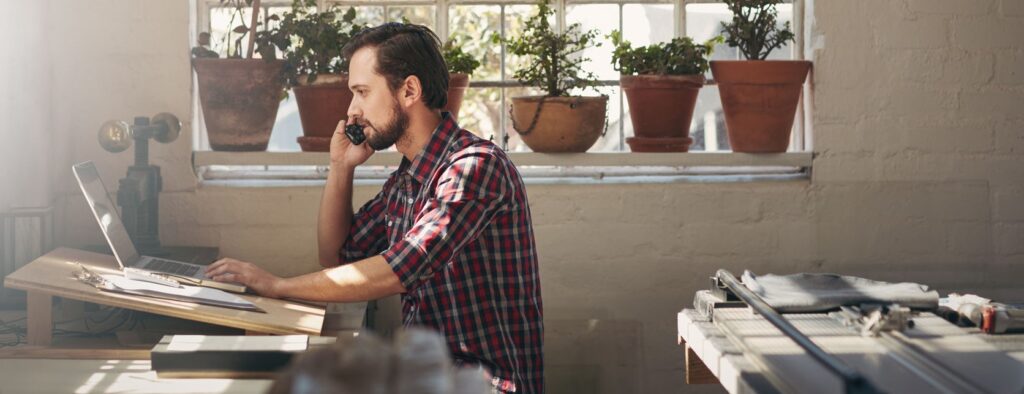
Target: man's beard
[(391, 132)]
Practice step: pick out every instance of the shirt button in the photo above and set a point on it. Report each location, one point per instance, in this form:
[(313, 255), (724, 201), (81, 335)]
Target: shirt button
[(411, 200)]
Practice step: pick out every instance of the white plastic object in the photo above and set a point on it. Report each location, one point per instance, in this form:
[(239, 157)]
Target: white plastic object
[(147, 276)]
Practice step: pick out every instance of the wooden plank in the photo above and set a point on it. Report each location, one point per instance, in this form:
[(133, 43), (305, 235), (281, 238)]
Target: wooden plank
[(46, 352), (696, 371), (51, 275), (39, 309)]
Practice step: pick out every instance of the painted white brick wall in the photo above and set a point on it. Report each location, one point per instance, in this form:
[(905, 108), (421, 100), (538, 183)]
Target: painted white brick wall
[(919, 176)]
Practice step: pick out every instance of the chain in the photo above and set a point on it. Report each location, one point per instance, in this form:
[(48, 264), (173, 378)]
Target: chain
[(536, 116)]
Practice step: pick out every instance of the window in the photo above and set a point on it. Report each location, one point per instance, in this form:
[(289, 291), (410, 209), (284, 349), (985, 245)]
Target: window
[(485, 106)]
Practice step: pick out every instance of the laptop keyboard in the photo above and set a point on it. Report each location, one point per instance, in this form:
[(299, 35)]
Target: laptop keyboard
[(172, 267)]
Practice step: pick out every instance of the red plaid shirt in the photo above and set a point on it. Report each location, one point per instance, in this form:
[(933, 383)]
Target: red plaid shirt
[(454, 224)]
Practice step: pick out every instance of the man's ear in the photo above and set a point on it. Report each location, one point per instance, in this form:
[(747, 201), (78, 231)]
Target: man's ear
[(412, 91)]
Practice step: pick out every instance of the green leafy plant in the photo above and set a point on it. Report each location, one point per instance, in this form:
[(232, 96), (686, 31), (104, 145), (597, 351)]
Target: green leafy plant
[(458, 61), (311, 42), (681, 56), (554, 64), (754, 28)]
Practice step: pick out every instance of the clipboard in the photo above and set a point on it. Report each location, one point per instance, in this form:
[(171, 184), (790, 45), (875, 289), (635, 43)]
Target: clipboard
[(187, 293)]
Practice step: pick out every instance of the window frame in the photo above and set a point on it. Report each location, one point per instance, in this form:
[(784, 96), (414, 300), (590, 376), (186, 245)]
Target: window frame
[(799, 153)]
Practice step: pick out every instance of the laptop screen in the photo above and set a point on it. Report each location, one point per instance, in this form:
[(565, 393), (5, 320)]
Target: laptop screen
[(106, 213)]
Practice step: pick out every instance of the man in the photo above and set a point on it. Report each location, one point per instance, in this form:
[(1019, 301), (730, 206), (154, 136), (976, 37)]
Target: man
[(450, 231)]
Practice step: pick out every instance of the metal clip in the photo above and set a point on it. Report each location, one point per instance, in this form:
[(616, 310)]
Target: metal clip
[(91, 278)]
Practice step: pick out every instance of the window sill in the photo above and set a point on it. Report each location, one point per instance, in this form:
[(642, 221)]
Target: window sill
[(272, 169)]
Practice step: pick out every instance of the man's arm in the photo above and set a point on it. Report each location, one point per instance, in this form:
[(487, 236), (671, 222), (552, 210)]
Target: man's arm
[(364, 280), (335, 214)]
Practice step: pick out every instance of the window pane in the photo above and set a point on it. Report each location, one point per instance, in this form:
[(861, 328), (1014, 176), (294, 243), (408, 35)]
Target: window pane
[(707, 128), (515, 22), (481, 112), (370, 15), (472, 26), (785, 15), (420, 15), (610, 142), (222, 21), (287, 126), (704, 21), (601, 17), (645, 24)]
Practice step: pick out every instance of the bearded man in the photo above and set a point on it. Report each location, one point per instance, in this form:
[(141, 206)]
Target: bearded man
[(450, 231)]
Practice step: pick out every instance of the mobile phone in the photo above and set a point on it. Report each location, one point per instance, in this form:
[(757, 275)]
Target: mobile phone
[(355, 133)]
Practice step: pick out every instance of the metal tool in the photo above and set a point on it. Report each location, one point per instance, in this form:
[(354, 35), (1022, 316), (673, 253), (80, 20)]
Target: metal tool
[(873, 319), (853, 381), (997, 318)]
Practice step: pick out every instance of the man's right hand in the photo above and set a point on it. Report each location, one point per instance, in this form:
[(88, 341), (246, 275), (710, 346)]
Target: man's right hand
[(343, 152)]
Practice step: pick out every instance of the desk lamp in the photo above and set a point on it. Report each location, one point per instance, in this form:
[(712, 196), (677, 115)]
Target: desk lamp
[(139, 192)]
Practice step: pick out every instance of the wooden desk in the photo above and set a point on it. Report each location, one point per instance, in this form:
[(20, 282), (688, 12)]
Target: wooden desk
[(51, 275), (108, 376)]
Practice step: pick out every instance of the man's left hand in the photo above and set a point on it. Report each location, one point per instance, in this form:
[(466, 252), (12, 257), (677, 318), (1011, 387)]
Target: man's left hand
[(248, 274)]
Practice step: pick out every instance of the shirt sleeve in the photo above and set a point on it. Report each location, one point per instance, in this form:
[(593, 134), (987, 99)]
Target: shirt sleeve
[(469, 192), (367, 235)]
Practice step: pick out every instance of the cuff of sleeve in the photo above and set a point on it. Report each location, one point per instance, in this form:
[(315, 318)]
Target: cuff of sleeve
[(405, 260)]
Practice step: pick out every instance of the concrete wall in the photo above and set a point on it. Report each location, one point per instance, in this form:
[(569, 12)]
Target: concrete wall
[(920, 177)]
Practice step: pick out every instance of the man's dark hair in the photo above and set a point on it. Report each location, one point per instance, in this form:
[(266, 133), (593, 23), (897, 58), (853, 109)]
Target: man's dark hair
[(406, 49)]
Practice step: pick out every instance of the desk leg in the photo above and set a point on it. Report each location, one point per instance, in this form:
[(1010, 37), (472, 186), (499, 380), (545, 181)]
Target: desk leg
[(696, 371), (40, 319)]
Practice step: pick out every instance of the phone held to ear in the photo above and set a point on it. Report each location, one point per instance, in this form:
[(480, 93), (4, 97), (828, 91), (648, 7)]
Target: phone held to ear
[(355, 133)]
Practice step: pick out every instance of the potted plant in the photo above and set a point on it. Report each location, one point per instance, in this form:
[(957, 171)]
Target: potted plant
[(460, 66), (661, 82), (315, 69), (556, 121), (759, 97), (239, 96)]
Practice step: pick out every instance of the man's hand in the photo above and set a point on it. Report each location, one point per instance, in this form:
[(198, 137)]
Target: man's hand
[(343, 152), (248, 274)]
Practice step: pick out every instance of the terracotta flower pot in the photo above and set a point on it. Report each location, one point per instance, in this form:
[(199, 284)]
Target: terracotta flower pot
[(644, 144), (563, 124), (239, 99), (759, 99), (661, 106), (457, 84), (322, 105)]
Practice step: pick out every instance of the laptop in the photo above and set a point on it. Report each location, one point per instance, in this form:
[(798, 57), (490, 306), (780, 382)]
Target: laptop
[(121, 244)]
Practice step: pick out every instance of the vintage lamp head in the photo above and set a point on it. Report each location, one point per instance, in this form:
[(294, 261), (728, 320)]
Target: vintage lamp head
[(117, 135)]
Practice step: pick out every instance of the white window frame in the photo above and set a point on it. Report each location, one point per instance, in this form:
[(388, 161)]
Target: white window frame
[(597, 165)]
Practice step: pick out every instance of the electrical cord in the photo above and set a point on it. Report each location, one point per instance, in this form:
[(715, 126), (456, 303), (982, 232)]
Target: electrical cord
[(99, 319)]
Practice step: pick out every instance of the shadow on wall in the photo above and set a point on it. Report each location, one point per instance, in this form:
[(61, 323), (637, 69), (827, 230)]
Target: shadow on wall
[(591, 355)]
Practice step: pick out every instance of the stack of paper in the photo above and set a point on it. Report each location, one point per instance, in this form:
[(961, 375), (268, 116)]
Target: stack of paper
[(196, 294)]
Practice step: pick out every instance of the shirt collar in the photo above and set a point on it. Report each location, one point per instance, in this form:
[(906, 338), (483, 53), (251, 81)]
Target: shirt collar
[(430, 157)]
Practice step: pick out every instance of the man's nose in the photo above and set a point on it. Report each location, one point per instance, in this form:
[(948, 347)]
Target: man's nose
[(353, 109)]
